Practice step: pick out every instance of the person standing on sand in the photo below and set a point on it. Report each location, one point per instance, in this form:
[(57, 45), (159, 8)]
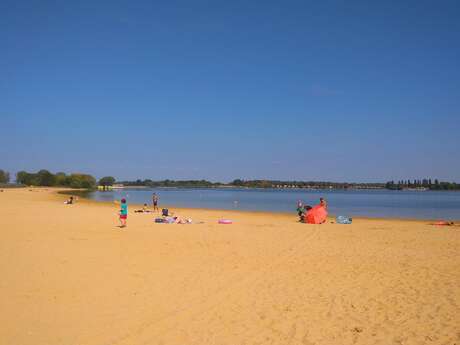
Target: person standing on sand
[(155, 201), (123, 213), (300, 208), (323, 203)]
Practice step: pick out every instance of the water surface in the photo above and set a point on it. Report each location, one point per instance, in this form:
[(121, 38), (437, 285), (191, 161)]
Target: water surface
[(365, 203)]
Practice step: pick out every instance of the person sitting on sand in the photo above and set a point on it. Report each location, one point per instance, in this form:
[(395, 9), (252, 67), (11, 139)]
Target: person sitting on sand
[(69, 201), (300, 208), (304, 212)]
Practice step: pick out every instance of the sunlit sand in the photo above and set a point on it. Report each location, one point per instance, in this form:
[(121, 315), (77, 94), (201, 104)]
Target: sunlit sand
[(69, 275)]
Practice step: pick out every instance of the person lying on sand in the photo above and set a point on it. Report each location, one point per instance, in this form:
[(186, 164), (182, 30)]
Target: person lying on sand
[(183, 220), (143, 210)]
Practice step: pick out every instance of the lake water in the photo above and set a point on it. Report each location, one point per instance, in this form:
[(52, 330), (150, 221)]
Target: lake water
[(367, 203)]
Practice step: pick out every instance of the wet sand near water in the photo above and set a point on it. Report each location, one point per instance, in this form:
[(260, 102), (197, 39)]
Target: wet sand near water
[(69, 275)]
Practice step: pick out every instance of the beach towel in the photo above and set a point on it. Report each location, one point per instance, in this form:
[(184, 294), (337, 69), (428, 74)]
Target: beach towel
[(170, 220), (343, 220), (316, 215), (443, 223)]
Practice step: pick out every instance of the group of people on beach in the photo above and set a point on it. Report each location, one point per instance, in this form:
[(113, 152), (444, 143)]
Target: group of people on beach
[(166, 215), (304, 210), (123, 213)]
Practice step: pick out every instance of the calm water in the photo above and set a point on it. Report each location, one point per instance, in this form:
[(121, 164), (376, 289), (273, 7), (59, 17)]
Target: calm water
[(379, 203)]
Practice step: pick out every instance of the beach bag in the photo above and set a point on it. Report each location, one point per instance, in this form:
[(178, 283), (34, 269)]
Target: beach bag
[(343, 220), (165, 212)]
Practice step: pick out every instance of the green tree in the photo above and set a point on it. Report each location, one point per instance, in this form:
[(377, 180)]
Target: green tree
[(82, 181), (107, 181), (61, 179), (4, 176), (23, 177), (45, 178)]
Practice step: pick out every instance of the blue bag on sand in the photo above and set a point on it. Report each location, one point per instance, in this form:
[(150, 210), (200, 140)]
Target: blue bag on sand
[(159, 220), (343, 220)]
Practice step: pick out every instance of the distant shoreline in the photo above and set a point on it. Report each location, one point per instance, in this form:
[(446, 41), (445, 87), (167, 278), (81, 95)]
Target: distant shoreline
[(287, 188)]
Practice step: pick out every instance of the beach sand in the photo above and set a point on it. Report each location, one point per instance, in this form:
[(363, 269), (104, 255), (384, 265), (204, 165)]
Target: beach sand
[(70, 276)]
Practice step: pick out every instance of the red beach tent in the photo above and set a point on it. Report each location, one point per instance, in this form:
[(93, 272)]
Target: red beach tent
[(316, 215)]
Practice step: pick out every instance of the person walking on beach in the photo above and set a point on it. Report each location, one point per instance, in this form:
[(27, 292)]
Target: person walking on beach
[(155, 202), (123, 213)]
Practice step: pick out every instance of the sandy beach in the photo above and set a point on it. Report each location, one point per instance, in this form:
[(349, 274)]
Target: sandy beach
[(70, 276)]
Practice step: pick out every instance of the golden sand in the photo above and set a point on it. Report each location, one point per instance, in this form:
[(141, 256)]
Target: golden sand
[(69, 276)]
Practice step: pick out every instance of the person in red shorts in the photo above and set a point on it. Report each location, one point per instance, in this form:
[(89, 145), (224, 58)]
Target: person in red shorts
[(123, 213)]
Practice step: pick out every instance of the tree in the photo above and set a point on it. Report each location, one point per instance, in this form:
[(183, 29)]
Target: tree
[(45, 178), (82, 181), (106, 181), (23, 177), (4, 176), (61, 179)]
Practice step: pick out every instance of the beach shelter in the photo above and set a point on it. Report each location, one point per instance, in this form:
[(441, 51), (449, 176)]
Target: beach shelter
[(316, 215)]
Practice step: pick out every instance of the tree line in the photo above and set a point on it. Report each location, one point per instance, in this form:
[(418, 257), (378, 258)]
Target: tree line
[(426, 183), (44, 178), (304, 184), (48, 179), (251, 184), (172, 183), (60, 179)]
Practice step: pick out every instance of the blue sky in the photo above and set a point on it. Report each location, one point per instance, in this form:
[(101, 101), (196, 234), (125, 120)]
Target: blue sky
[(330, 90)]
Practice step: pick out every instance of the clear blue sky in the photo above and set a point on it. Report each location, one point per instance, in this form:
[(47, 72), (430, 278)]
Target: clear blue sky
[(322, 90)]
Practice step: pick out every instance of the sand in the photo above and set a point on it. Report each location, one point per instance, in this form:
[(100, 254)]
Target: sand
[(70, 276)]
